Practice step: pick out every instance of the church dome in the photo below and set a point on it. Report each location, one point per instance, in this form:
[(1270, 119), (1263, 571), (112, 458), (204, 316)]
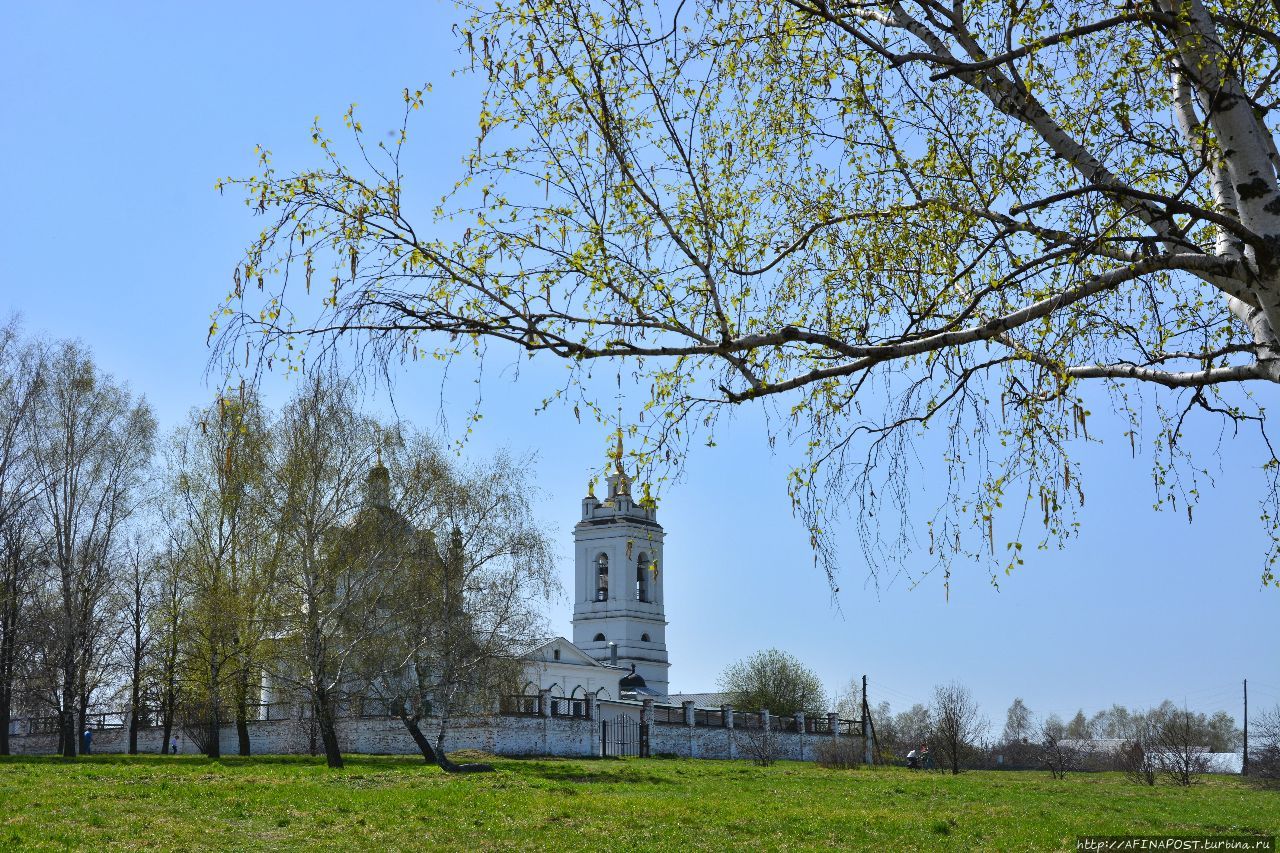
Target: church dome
[(631, 681)]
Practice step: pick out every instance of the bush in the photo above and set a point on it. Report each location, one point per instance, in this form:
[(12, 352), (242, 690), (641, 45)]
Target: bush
[(839, 753), (1137, 764), (760, 744)]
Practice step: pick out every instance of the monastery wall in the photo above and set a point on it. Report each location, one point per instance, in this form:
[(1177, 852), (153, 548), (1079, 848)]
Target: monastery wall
[(509, 735)]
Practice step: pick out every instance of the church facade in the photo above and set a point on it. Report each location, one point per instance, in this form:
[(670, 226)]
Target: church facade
[(619, 645)]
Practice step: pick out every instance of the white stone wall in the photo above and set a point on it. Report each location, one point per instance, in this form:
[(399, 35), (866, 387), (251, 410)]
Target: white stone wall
[(505, 735)]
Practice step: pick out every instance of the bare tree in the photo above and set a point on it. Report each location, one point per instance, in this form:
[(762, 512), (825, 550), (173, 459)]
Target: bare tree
[(1264, 752), (168, 623), (955, 723), (849, 702), (1178, 748), (135, 599), (760, 743), (20, 555), (20, 383), (91, 442), (1059, 751), (1137, 762)]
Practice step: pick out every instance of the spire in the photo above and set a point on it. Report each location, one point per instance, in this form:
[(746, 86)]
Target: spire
[(619, 483), (377, 490)]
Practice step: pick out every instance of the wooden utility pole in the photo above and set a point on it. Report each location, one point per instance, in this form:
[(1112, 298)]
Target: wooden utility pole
[(868, 739), (1244, 768)]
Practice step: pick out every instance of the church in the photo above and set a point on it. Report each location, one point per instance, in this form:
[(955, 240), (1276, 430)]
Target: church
[(619, 647)]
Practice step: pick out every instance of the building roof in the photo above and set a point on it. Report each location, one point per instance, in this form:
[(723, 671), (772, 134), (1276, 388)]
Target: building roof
[(542, 651), (700, 700)]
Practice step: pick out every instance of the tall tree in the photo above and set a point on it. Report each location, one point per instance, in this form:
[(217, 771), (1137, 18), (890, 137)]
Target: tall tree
[(884, 216), (136, 596), (216, 469), (91, 443), (1079, 728), (1017, 726), (955, 723), (20, 383), (168, 624), (328, 586), (773, 680)]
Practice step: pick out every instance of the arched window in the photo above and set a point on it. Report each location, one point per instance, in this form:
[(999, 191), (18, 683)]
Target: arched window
[(642, 578), (602, 577), (598, 638), (644, 638)]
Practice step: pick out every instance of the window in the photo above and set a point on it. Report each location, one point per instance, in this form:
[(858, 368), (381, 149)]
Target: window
[(602, 577), (599, 638), (642, 577), (556, 654), (644, 638)]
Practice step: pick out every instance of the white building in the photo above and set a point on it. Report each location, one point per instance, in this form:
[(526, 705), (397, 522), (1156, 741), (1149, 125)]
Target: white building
[(619, 625)]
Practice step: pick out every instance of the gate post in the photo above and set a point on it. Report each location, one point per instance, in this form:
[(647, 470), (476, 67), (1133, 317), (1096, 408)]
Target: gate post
[(544, 702), (590, 706), (689, 718)]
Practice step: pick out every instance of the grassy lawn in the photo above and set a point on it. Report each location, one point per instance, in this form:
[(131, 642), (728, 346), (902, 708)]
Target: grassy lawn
[(380, 803)]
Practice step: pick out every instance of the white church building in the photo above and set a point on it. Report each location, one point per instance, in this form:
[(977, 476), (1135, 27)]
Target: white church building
[(619, 646)]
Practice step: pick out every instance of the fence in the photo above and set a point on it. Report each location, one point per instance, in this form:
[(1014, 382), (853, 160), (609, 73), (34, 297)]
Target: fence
[(269, 711), (668, 715)]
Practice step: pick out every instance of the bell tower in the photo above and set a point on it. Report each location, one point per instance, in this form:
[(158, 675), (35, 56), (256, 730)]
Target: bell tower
[(618, 582)]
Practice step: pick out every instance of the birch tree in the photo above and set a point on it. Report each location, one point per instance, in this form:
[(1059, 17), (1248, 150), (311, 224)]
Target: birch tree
[(871, 219), (330, 577), (91, 443), (215, 471), (20, 384), (468, 594)]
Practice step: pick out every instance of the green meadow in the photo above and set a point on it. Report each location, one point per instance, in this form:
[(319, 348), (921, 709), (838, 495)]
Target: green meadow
[(398, 803)]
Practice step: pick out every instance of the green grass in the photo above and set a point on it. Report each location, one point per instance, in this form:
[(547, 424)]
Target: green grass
[(381, 803)]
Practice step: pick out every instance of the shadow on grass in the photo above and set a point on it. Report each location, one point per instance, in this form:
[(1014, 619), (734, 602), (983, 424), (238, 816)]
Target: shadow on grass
[(353, 762), (587, 772)]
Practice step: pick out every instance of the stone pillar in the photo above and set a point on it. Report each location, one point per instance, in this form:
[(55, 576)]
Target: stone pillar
[(590, 706), (764, 719), (646, 727), (833, 723), (544, 702), (727, 710), (800, 722), (689, 718)]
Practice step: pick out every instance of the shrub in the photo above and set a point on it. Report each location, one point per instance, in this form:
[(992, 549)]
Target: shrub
[(839, 753)]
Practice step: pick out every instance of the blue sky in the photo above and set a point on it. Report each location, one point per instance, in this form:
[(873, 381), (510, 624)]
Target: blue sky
[(118, 120)]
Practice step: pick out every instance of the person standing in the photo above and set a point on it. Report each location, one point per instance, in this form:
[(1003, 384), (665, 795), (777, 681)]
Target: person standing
[(173, 745), (86, 741)]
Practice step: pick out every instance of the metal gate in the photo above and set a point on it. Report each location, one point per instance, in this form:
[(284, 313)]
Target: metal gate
[(623, 735)]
